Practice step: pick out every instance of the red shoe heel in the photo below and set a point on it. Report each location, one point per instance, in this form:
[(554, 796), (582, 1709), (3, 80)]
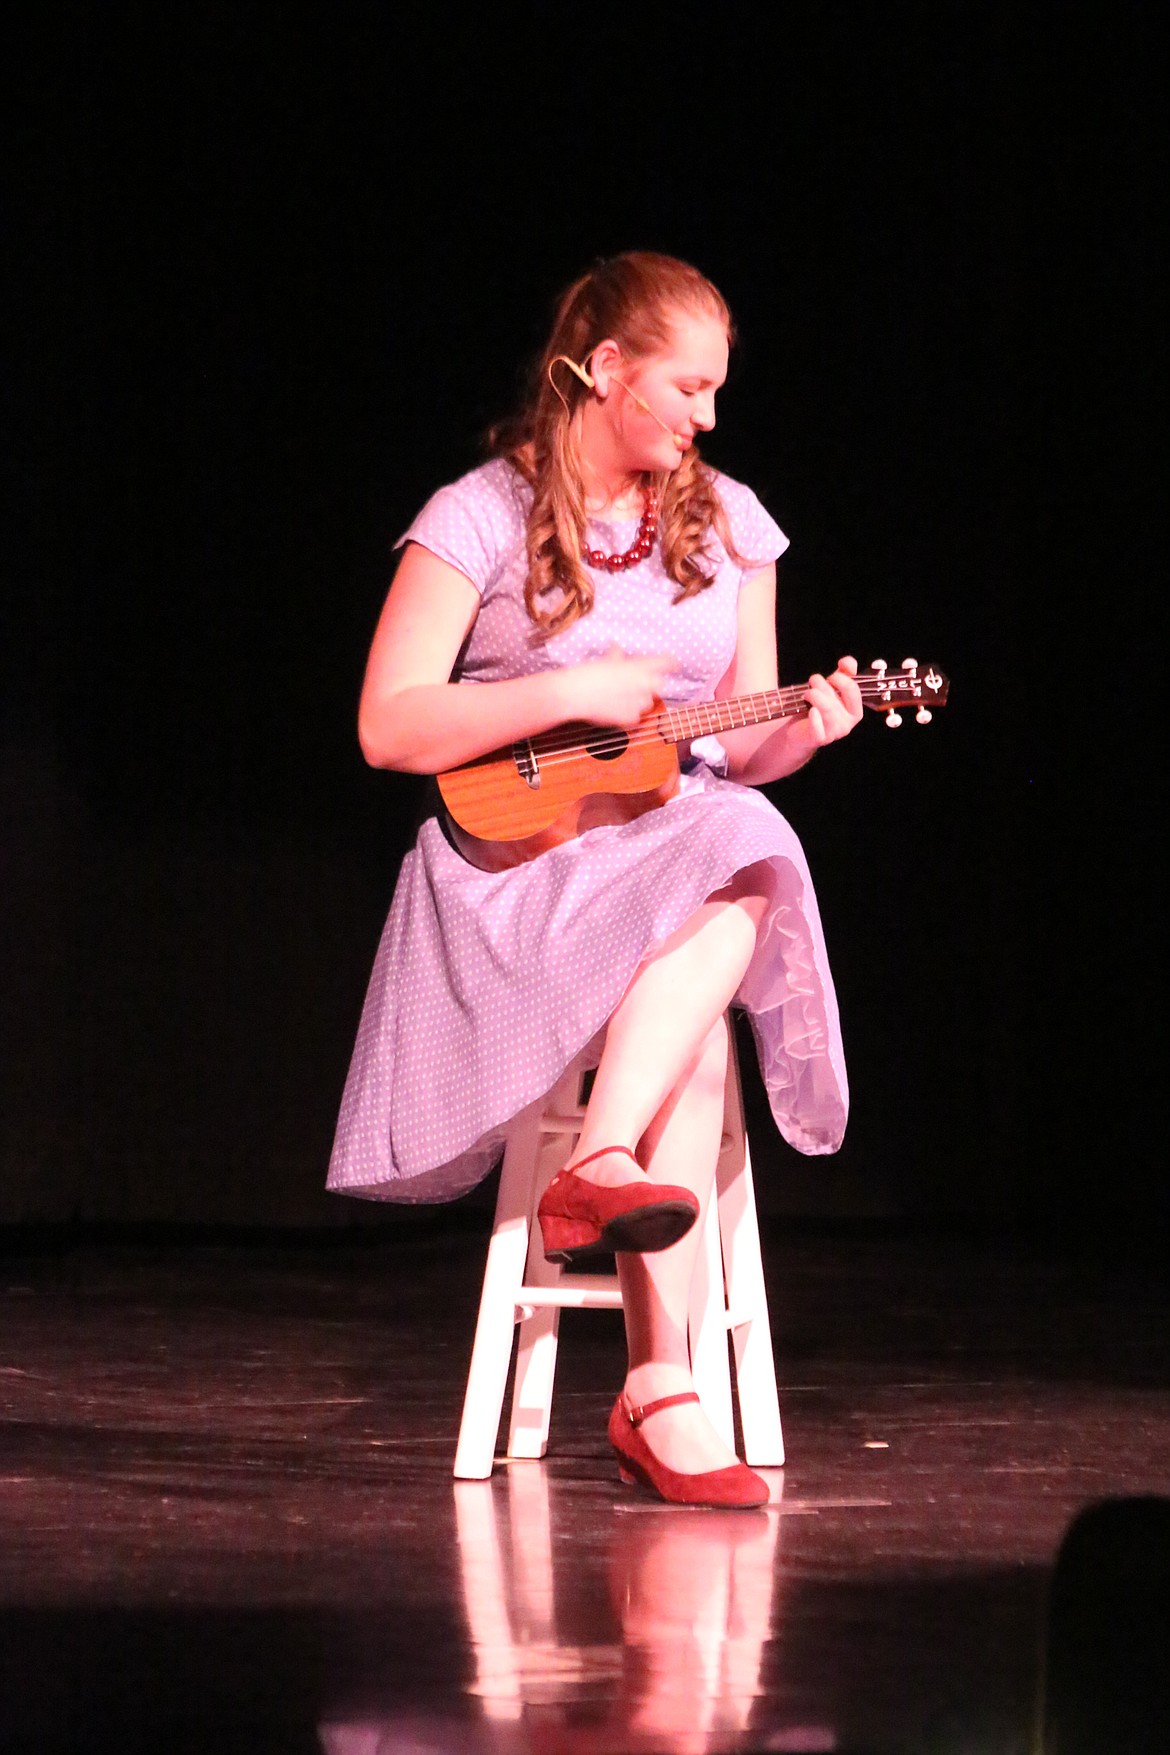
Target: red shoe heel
[(580, 1219), (567, 1240)]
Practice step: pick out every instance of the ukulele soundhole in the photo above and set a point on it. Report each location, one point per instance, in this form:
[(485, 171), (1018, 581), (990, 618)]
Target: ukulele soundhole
[(608, 743)]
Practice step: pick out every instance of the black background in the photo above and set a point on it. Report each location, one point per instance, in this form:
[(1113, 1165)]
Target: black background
[(277, 268)]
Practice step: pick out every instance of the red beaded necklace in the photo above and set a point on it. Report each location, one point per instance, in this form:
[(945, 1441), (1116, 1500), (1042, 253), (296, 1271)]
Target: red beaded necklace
[(638, 549)]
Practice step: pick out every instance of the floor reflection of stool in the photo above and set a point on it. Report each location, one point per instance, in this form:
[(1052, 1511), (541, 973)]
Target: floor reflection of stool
[(520, 1287), (660, 1623)]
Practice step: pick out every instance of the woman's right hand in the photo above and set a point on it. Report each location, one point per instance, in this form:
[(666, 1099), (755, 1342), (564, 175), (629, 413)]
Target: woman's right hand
[(615, 690)]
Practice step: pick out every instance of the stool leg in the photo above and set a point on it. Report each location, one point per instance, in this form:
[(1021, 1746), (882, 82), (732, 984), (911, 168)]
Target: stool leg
[(536, 1350), (532, 1388), (503, 1277), (707, 1327), (747, 1299)]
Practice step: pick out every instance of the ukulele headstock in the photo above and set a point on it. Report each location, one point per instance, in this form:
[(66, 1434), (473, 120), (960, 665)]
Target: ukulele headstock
[(921, 686)]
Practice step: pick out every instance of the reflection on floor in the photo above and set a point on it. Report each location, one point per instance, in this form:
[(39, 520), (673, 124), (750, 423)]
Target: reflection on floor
[(227, 1519), (673, 1653)]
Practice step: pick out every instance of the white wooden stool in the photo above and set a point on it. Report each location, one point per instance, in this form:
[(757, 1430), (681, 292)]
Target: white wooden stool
[(521, 1288)]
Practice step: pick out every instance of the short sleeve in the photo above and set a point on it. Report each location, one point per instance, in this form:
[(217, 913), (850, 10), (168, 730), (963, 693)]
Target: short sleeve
[(755, 534), (471, 524)]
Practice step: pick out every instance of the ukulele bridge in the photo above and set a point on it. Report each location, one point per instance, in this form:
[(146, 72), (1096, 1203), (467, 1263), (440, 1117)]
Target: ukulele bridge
[(527, 765)]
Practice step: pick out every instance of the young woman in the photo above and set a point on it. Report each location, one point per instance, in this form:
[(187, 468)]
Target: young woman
[(594, 565)]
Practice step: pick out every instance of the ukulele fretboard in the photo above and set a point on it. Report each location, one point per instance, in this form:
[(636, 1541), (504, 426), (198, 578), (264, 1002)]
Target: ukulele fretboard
[(705, 718)]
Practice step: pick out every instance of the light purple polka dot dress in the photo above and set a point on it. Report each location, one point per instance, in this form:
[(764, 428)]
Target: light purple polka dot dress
[(486, 985)]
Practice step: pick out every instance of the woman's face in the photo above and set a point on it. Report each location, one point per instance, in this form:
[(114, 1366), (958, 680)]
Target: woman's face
[(678, 386)]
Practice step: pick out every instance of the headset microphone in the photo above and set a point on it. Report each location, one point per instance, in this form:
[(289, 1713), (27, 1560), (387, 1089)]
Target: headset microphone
[(644, 405), (586, 377)]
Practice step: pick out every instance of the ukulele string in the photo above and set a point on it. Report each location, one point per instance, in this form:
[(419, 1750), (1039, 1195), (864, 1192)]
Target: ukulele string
[(640, 738), (552, 741), (557, 746)]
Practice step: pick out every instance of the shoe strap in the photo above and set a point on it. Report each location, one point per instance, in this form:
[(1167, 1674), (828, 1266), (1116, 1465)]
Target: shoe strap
[(605, 1152), (637, 1415)]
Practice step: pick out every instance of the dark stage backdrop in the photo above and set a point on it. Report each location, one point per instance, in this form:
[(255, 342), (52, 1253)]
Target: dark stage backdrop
[(277, 269)]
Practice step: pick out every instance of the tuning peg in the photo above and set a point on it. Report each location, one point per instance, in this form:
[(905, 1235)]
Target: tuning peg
[(924, 716), (909, 664), (893, 720), (879, 667)]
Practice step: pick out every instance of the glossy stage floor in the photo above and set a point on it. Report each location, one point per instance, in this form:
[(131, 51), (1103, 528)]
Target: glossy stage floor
[(229, 1523)]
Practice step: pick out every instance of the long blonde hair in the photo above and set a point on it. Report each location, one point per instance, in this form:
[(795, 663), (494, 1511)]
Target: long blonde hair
[(629, 299)]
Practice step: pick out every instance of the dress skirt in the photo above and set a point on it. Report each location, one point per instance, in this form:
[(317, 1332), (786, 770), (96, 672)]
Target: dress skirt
[(487, 985)]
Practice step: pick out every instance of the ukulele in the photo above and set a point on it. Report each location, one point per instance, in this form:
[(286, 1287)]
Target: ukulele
[(512, 804)]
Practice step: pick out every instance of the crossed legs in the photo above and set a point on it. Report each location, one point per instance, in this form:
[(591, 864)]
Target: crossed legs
[(659, 1090)]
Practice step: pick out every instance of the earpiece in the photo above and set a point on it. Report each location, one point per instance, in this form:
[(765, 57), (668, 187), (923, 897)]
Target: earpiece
[(578, 371), (586, 377)]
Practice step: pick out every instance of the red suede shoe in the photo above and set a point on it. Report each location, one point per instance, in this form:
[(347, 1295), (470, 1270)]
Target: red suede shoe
[(580, 1219), (735, 1487)]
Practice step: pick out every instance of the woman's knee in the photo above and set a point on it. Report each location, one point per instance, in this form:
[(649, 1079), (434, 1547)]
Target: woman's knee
[(709, 1067), (747, 896), (750, 883)]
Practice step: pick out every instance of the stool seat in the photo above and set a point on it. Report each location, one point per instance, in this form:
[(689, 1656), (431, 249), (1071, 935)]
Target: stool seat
[(523, 1290)]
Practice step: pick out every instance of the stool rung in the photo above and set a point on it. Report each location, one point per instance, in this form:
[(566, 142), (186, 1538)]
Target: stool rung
[(564, 1297)]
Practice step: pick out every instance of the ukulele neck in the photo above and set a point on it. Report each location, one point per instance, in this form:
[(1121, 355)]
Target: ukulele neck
[(706, 718), (880, 690)]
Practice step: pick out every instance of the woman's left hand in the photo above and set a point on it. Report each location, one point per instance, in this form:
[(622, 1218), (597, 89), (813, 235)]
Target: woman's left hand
[(834, 703)]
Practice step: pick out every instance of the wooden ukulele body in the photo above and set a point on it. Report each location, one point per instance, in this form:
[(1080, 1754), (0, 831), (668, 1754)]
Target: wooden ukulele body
[(513, 804)]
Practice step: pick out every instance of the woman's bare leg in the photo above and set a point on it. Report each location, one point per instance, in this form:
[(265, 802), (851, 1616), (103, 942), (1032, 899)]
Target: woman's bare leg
[(662, 1022), (681, 1145), (659, 1090)]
